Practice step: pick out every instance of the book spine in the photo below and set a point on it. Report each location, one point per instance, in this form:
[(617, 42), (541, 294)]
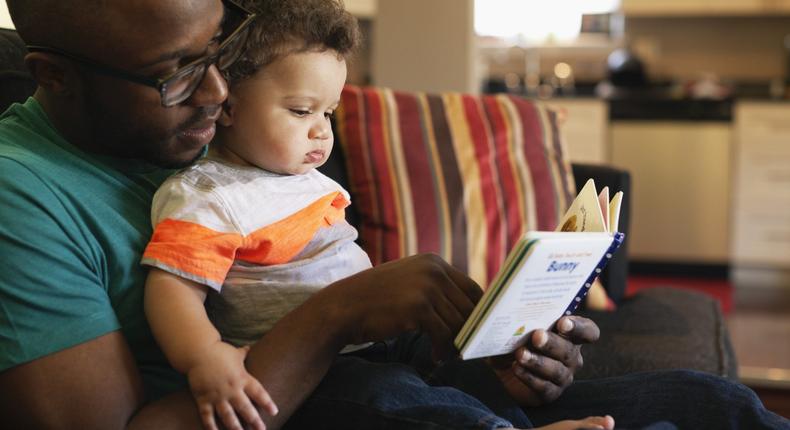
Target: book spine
[(616, 242)]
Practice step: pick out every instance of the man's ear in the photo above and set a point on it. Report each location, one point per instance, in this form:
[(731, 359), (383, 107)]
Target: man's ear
[(226, 117), (54, 74)]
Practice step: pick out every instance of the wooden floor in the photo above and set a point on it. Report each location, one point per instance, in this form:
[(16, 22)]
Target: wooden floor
[(760, 332), (759, 325), (775, 399)]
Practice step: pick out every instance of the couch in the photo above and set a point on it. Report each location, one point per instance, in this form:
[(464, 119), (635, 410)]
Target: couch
[(386, 132), (654, 329)]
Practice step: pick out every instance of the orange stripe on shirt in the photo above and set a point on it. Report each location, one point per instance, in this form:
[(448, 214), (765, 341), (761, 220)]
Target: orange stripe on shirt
[(194, 249), (207, 254), (292, 234)]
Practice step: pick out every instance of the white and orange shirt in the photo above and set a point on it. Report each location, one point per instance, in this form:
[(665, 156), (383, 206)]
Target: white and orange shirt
[(263, 241)]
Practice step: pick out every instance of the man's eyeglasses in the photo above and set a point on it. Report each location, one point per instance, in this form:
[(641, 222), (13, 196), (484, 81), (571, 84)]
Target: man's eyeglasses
[(181, 84)]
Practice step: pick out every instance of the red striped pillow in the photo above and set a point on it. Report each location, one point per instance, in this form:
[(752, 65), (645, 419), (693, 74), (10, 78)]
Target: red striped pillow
[(459, 175)]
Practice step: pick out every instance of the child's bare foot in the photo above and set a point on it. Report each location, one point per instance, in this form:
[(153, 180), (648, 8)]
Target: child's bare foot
[(598, 423)]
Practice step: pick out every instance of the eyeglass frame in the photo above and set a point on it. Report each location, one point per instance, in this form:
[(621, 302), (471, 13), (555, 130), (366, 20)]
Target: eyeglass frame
[(160, 84)]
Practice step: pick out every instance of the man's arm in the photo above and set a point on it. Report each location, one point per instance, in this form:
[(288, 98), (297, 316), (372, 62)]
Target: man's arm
[(90, 385), (96, 384)]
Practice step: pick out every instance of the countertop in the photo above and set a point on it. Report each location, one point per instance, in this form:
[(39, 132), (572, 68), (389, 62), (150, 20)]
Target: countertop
[(665, 101)]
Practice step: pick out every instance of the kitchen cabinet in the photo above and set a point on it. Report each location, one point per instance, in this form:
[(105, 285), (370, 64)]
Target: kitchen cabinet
[(781, 6), (585, 128), (704, 7), (680, 172), (761, 186)]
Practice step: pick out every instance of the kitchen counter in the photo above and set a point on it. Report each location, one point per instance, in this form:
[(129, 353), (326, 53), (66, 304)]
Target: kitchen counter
[(640, 109), (663, 101)]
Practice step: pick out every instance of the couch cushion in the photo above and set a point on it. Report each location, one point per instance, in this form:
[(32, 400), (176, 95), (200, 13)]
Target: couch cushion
[(459, 175), (660, 328), (16, 84)]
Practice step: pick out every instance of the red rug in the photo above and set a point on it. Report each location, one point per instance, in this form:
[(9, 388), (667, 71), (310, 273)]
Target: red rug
[(719, 289)]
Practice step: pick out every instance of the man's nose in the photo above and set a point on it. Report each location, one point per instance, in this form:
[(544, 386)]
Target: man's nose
[(212, 90)]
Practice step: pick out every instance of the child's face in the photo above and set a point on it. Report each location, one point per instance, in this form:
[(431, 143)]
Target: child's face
[(278, 119)]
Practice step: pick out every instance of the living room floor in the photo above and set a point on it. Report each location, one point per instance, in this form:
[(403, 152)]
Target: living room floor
[(759, 325), (760, 329)]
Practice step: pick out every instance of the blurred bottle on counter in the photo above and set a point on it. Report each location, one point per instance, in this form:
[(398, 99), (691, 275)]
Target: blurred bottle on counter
[(626, 69)]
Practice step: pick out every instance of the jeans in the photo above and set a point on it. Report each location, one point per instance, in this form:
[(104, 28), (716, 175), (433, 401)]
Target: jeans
[(396, 385)]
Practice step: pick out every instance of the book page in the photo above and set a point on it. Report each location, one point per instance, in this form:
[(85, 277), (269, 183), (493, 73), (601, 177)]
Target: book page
[(584, 214), (603, 202), (544, 282), (614, 211)]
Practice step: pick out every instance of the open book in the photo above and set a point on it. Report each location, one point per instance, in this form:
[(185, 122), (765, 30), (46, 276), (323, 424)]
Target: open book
[(545, 276)]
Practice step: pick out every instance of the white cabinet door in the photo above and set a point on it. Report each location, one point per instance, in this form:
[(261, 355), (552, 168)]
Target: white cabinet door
[(761, 209), (780, 6), (694, 7), (585, 128), (680, 189)]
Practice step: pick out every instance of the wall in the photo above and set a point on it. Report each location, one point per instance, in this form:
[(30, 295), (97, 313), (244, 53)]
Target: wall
[(5, 19), (739, 48), (745, 48), (424, 45)]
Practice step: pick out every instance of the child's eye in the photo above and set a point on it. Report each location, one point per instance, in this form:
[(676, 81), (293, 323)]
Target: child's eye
[(329, 115), (300, 112)]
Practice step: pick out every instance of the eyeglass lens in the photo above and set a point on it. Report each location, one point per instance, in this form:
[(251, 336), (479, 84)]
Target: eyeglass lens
[(181, 86)]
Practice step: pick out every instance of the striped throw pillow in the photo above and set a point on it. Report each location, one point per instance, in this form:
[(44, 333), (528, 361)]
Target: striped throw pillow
[(458, 175)]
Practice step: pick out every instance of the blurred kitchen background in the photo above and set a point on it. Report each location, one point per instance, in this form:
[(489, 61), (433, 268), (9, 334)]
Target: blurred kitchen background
[(691, 96)]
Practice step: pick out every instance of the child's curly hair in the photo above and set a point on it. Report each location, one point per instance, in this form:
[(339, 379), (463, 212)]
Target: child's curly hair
[(288, 26)]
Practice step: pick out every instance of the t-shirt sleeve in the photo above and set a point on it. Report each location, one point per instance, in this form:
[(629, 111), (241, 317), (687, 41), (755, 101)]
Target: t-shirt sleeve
[(52, 296), (195, 236)]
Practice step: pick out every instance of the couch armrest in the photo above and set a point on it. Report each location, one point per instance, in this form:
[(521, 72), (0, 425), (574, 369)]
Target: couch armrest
[(615, 275)]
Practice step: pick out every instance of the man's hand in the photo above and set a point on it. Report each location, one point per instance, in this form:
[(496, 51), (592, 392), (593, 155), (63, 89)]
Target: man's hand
[(422, 292), (539, 372)]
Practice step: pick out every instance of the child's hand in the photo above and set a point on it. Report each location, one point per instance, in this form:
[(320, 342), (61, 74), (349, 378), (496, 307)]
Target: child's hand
[(222, 387)]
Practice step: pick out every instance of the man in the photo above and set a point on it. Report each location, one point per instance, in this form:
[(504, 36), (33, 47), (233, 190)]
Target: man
[(124, 87)]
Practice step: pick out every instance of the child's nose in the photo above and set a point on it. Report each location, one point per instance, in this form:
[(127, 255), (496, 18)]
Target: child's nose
[(321, 130)]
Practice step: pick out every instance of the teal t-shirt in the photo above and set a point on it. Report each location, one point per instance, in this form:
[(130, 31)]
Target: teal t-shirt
[(72, 229)]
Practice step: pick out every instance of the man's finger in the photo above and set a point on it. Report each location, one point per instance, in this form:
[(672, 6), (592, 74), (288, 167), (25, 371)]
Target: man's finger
[(557, 347), (440, 334), (578, 329), (546, 389), (448, 312), (469, 287), (543, 367), (457, 298)]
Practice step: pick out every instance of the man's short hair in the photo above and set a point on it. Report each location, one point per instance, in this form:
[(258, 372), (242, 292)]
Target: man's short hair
[(287, 26), (52, 22)]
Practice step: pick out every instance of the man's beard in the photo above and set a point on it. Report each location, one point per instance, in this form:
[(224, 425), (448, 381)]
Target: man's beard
[(126, 139)]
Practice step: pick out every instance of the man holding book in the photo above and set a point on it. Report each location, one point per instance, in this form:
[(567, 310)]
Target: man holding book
[(79, 163)]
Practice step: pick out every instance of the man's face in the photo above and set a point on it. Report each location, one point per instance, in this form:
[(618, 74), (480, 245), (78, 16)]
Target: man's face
[(154, 38)]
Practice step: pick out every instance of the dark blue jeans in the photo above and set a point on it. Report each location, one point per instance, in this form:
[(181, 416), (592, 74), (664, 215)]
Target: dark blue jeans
[(395, 385)]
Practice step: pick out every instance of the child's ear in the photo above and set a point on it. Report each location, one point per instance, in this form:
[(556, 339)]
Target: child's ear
[(226, 117)]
